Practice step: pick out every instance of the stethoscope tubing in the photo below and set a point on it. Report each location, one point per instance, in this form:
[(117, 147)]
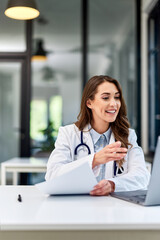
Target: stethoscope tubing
[(89, 152), (82, 144)]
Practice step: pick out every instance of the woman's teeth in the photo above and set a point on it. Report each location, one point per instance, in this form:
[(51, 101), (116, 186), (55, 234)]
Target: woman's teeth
[(111, 111)]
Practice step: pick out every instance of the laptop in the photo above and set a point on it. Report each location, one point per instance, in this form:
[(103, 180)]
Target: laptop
[(148, 197)]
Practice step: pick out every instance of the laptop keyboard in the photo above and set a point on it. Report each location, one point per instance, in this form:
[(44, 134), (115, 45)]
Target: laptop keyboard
[(140, 198)]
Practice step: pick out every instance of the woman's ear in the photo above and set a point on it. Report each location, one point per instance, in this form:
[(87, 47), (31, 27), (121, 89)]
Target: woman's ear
[(88, 103)]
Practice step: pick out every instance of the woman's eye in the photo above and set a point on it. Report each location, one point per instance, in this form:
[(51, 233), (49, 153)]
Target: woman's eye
[(106, 98)]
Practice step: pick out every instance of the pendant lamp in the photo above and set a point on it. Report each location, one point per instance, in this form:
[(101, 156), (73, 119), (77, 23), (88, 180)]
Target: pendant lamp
[(22, 9), (40, 53)]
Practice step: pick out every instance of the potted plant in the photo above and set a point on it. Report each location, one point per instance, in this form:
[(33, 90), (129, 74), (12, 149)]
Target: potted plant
[(50, 136)]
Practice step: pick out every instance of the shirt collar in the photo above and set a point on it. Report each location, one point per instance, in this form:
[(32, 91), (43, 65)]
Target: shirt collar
[(95, 135)]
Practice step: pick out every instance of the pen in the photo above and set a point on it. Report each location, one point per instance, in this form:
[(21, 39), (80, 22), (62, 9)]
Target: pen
[(19, 198)]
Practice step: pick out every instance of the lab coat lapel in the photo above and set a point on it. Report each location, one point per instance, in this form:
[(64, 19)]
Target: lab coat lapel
[(112, 138), (87, 139)]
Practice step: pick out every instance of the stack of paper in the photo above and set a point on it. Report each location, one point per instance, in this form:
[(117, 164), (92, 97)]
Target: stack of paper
[(77, 180)]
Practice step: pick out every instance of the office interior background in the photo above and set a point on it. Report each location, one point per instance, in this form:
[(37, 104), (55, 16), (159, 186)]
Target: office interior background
[(119, 38)]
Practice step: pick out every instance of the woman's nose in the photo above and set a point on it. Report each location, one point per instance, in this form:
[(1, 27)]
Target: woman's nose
[(113, 102)]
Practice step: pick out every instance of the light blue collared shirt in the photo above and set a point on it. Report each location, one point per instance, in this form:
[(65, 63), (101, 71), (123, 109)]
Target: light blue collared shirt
[(99, 142), (95, 137)]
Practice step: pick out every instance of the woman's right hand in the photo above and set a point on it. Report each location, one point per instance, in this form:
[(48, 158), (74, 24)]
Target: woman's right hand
[(111, 152)]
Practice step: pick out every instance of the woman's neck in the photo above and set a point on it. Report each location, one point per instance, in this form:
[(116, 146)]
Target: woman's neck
[(100, 127)]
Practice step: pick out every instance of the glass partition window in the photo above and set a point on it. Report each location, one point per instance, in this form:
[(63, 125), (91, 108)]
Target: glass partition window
[(112, 47), (43, 112), (154, 76), (10, 75), (57, 80), (55, 110), (38, 119)]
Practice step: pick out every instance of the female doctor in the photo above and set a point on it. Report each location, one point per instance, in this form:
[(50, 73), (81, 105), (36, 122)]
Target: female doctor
[(101, 137)]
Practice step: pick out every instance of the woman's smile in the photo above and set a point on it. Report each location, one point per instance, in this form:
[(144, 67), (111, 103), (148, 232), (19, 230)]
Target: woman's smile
[(110, 111)]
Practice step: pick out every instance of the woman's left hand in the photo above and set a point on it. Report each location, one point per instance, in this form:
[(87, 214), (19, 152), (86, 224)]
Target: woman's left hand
[(103, 188)]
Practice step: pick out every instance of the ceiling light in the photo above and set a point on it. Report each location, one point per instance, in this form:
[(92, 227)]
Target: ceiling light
[(40, 53), (22, 9)]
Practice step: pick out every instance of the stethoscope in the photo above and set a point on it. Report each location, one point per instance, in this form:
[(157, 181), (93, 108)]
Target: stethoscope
[(82, 144), (116, 170)]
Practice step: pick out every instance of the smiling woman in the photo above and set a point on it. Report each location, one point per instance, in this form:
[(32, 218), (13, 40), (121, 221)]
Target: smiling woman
[(105, 106), (114, 155)]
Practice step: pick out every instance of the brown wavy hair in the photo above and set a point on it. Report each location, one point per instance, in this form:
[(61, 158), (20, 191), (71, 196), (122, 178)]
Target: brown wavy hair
[(120, 127)]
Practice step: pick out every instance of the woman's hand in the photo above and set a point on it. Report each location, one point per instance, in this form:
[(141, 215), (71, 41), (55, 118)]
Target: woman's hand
[(111, 152), (103, 188)]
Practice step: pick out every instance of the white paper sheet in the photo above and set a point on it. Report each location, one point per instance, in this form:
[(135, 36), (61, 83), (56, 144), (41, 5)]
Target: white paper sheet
[(79, 180)]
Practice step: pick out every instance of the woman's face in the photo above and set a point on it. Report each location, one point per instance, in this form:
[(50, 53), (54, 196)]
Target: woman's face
[(106, 104)]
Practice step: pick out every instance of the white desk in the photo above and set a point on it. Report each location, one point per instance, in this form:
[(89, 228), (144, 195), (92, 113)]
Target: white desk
[(22, 165), (73, 217)]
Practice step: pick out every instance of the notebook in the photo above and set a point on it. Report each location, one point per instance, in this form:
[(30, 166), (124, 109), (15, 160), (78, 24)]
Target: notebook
[(148, 197)]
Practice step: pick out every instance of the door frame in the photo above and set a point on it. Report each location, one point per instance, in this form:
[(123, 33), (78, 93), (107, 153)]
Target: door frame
[(25, 59)]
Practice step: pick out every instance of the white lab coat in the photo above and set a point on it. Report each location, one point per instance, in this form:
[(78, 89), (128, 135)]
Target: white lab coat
[(135, 175)]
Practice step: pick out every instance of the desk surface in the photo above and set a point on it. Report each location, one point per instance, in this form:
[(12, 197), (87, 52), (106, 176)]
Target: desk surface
[(41, 212), (19, 162)]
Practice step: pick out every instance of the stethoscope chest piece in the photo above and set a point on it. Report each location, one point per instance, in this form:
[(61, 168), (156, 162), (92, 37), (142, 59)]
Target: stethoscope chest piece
[(81, 145)]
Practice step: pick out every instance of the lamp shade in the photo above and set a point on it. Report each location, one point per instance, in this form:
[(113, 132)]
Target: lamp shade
[(40, 53), (22, 9)]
